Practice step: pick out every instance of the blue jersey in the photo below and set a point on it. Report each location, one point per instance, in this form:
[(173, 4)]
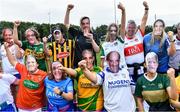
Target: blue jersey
[(54, 99), (162, 52)]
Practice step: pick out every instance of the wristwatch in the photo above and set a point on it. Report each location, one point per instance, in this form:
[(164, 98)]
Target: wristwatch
[(60, 93), (172, 40)]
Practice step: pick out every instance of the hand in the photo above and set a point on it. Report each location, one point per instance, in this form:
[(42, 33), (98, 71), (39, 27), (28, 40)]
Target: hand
[(171, 72), (88, 35), (62, 68), (17, 23), (145, 4), (120, 6), (44, 39), (6, 45), (170, 35), (56, 90), (82, 64), (70, 7)]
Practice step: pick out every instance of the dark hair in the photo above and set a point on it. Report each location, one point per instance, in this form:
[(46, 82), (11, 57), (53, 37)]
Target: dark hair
[(57, 27), (109, 54), (176, 28), (83, 18), (50, 74)]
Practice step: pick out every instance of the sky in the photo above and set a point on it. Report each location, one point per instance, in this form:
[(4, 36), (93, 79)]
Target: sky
[(100, 11)]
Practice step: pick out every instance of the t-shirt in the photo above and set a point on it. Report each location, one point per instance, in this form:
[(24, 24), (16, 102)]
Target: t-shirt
[(162, 52), (66, 47), (5, 91), (90, 97), (37, 51), (6, 65), (117, 91), (31, 88), (117, 45), (134, 52), (81, 44), (153, 91), (54, 99), (174, 61)]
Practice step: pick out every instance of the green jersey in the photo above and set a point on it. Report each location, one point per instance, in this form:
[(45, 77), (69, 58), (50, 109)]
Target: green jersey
[(153, 91), (90, 97), (37, 51)]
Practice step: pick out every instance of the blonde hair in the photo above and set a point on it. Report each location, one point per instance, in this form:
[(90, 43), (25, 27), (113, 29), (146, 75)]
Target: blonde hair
[(162, 36), (107, 39)]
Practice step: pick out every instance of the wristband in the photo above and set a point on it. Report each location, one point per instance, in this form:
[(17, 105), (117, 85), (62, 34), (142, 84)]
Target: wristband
[(172, 40), (146, 8), (61, 93)]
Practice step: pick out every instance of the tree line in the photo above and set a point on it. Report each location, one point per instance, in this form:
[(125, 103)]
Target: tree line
[(46, 29)]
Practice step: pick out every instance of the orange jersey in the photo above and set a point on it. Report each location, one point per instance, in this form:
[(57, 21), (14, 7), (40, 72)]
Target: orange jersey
[(31, 88)]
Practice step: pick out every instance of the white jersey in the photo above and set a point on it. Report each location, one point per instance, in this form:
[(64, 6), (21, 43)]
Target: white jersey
[(5, 91), (117, 45), (117, 91), (174, 61), (6, 66), (134, 51)]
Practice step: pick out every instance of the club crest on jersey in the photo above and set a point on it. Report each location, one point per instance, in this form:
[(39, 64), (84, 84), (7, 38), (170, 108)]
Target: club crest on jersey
[(160, 85)]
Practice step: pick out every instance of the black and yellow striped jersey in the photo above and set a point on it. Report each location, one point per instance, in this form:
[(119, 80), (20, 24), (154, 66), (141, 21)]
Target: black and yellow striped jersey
[(67, 46)]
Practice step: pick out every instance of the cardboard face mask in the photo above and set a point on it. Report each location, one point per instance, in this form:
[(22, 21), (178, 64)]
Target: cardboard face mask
[(31, 64), (151, 62), (158, 29), (151, 65)]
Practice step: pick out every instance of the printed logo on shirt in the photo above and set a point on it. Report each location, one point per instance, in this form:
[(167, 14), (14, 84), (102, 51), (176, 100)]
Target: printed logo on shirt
[(30, 84), (53, 95), (160, 85), (118, 83), (132, 50)]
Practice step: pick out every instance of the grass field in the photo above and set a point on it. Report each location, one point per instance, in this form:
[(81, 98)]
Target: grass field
[(98, 58)]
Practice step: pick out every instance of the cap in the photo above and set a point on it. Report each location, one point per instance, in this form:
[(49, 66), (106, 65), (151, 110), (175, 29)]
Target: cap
[(56, 29)]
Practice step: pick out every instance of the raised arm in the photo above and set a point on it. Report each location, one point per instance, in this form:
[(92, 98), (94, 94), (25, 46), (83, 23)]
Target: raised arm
[(92, 77), (19, 52), (11, 58), (66, 18), (145, 17), (15, 33), (123, 20), (69, 71), (172, 48), (46, 51), (172, 90)]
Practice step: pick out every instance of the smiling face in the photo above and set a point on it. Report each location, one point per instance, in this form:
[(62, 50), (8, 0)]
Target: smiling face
[(88, 56), (57, 35), (113, 32), (31, 37), (31, 64), (151, 62), (85, 24), (158, 28), (57, 72), (131, 28), (8, 36), (113, 60)]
